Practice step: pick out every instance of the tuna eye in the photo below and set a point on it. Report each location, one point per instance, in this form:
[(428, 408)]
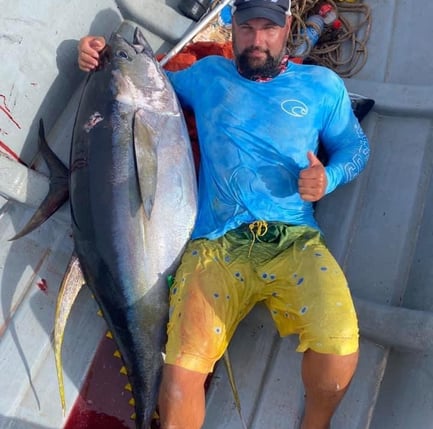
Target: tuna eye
[(122, 54)]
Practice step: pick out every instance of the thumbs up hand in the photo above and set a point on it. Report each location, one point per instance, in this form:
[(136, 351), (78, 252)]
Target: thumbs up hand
[(312, 180)]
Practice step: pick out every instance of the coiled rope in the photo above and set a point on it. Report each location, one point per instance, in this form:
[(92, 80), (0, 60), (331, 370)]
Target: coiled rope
[(343, 50)]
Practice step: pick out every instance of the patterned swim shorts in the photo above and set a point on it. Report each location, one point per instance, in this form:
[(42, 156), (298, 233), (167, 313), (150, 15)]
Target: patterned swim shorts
[(289, 268)]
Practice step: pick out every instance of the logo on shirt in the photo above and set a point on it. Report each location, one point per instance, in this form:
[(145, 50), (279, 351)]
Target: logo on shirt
[(295, 108)]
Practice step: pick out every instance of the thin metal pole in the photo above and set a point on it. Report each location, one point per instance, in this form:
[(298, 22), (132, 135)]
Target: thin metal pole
[(213, 12)]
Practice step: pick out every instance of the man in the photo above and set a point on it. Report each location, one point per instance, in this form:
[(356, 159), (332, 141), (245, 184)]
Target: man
[(259, 120)]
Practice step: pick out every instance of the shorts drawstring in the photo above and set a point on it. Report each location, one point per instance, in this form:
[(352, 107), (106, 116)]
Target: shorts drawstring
[(258, 229)]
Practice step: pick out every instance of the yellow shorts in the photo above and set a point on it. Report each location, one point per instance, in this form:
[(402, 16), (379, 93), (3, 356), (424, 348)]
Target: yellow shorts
[(288, 267)]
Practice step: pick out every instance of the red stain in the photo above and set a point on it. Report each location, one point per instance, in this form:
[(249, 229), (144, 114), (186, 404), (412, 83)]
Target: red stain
[(7, 111), (84, 417), (11, 153), (103, 402), (42, 285)]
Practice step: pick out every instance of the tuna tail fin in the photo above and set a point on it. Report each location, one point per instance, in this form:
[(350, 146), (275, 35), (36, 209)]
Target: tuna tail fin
[(235, 391), (72, 283), (59, 190)]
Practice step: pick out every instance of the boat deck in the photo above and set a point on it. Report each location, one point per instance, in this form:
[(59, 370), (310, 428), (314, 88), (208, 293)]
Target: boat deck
[(379, 227)]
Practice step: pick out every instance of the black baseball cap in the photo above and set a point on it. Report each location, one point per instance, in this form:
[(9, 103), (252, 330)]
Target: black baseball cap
[(274, 10)]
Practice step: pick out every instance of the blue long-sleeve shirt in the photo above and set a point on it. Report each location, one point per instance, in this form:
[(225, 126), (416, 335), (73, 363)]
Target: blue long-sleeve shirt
[(254, 138)]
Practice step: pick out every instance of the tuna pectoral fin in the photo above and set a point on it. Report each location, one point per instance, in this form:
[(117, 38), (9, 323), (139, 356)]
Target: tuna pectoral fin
[(146, 162), (69, 289), (59, 191)]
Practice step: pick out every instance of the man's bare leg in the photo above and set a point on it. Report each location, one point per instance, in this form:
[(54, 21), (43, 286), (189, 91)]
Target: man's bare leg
[(181, 398), (326, 380)]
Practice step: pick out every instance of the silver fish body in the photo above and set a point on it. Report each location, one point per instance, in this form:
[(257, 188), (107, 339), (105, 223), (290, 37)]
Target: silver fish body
[(133, 203)]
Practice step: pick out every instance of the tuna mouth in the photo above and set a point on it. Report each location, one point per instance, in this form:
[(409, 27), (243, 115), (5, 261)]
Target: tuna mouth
[(140, 43), (131, 34), (128, 33)]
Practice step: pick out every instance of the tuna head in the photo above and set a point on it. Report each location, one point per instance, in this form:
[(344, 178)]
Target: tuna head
[(148, 89)]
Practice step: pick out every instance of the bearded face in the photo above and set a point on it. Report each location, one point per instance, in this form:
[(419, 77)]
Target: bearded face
[(259, 46), (252, 66)]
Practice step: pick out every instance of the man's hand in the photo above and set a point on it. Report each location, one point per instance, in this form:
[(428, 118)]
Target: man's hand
[(89, 48), (312, 180)]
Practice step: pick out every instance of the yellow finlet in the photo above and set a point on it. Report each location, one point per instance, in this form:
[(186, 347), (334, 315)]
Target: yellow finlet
[(109, 334), (117, 354)]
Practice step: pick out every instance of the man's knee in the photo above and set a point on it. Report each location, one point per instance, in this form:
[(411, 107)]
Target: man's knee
[(329, 372), (181, 398), (176, 380)]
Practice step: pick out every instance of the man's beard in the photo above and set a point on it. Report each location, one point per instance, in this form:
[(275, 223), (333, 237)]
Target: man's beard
[(252, 69)]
